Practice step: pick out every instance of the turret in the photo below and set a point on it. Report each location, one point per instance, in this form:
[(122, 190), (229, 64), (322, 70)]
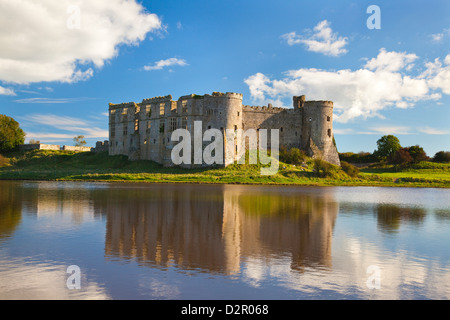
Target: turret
[(317, 130)]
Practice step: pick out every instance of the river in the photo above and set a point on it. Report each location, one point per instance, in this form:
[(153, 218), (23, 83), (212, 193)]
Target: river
[(76, 240)]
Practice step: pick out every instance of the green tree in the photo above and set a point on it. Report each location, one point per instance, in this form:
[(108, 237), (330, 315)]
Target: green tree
[(387, 146), (79, 141), (442, 156), (11, 135), (417, 154)]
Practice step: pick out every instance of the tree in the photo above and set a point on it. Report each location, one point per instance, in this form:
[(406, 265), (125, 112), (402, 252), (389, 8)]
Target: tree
[(79, 141), (401, 156), (442, 156), (417, 154), (387, 146), (11, 135)]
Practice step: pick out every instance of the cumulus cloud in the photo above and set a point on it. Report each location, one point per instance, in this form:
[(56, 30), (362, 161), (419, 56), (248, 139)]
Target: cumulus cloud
[(384, 81), (63, 40), (158, 65), (322, 40)]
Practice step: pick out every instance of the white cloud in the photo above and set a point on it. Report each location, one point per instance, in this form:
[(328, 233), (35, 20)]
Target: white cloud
[(439, 75), (49, 41), (361, 93), (438, 37), (69, 126), (7, 92), (50, 100), (322, 40), (391, 61), (433, 131), (158, 65)]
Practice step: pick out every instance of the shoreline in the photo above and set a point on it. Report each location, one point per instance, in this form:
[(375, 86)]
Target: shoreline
[(100, 167), (272, 184)]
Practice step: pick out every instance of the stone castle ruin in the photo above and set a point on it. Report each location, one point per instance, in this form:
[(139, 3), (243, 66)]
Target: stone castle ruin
[(142, 131)]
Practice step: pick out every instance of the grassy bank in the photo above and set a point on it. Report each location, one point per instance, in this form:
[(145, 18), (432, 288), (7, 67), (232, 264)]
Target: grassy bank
[(87, 166)]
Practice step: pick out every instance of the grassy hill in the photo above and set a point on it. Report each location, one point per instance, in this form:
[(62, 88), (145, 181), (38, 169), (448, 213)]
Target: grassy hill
[(87, 166)]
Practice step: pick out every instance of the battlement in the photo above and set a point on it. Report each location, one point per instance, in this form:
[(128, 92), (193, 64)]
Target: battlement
[(319, 103), (159, 99), (122, 105), (266, 109)]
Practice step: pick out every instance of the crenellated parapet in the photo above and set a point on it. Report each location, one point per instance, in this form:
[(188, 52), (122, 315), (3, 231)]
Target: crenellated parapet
[(159, 99), (122, 105)]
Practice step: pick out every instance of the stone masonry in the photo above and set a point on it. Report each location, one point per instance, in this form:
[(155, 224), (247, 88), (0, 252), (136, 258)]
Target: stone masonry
[(142, 131)]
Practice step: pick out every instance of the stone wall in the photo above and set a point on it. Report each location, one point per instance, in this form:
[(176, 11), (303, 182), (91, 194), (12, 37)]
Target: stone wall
[(143, 130), (39, 146), (76, 148)]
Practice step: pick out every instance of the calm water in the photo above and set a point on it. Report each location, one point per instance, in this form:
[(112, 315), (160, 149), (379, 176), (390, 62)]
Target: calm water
[(150, 241)]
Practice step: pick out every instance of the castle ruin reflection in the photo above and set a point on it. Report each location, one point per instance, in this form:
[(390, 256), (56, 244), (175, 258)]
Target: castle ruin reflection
[(214, 229)]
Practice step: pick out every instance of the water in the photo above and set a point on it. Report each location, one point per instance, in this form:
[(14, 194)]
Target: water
[(165, 241)]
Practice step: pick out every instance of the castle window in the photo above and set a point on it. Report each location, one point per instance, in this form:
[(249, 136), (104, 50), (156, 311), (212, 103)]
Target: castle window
[(172, 124), (328, 118), (329, 133), (125, 129), (161, 126), (148, 127), (145, 141), (295, 133), (136, 125), (113, 131), (235, 128), (148, 111), (209, 127), (281, 129), (238, 113), (184, 123), (161, 109)]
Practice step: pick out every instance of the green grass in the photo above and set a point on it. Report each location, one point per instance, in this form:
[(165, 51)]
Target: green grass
[(87, 166)]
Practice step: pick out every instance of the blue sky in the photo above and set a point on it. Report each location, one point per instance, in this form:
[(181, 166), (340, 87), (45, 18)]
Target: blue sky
[(63, 61)]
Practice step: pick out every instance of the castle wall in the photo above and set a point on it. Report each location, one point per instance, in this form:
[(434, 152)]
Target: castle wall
[(287, 121), (143, 130)]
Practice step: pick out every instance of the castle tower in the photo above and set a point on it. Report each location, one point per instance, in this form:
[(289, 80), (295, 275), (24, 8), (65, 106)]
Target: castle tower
[(317, 130), (223, 111)]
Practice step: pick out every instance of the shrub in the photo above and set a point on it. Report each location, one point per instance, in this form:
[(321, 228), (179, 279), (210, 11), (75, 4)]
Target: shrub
[(349, 169), (322, 168), (292, 156), (361, 157)]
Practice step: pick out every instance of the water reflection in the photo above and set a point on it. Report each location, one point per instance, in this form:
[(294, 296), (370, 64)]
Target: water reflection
[(10, 210), (390, 216), (315, 242), (216, 228)]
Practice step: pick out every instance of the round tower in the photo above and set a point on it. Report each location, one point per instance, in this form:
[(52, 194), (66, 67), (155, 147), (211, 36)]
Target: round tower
[(317, 130)]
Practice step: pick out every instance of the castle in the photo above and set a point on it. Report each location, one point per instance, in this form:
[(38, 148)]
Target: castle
[(142, 131)]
